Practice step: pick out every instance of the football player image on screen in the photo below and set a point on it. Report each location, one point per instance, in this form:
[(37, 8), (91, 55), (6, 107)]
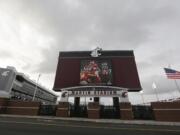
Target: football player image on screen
[(95, 72)]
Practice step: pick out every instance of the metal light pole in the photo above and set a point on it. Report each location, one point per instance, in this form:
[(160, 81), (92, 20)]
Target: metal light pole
[(36, 87), (141, 93), (155, 89)]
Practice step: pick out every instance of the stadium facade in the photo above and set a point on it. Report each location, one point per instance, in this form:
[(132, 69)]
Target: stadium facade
[(17, 86), (95, 74)]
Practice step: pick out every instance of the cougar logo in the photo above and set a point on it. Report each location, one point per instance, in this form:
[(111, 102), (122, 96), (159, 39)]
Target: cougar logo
[(5, 73), (125, 94), (96, 52), (64, 94)]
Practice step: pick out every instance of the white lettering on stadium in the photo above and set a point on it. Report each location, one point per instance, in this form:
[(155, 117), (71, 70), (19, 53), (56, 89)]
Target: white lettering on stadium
[(93, 93)]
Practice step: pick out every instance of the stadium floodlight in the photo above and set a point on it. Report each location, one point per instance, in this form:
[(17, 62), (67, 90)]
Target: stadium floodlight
[(36, 87)]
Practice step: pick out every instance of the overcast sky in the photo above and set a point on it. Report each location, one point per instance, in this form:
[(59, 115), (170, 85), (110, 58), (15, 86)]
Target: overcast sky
[(32, 32)]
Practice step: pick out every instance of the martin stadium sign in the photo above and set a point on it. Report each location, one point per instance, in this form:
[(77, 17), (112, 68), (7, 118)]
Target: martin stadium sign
[(104, 91)]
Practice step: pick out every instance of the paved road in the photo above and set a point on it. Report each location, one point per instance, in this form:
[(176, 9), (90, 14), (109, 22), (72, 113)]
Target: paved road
[(24, 126)]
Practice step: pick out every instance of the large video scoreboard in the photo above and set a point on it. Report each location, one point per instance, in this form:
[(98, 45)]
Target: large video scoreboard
[(111, 68)]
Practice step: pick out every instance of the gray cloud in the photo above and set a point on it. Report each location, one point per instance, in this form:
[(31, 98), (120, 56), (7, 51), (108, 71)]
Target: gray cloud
[(150, 28), (109, 24), (48, 65), (114, 25), (5, 54)]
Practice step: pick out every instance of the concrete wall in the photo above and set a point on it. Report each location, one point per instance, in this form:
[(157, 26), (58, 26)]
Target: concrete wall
[(19, 107), (166, 111), (162, 111), (23, 108)]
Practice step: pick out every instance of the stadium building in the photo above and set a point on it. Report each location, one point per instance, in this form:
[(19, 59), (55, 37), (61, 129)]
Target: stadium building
[(17, 86)]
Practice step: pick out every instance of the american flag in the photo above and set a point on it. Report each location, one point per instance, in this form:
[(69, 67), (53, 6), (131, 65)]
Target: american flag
[(172, 74)]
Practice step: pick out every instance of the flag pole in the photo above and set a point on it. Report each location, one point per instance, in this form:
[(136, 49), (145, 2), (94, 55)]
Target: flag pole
[(178, 88), (177, 85), (156, 94), (155, 89)]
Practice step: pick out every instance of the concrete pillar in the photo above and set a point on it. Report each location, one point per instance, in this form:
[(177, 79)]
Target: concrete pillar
[(3, 105), (93, 110), (126, 111), (62, 109)]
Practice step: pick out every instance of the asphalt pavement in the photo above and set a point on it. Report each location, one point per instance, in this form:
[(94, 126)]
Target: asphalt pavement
[(43, 126)]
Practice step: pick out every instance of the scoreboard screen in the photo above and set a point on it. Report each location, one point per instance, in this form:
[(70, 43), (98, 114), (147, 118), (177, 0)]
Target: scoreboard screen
[(96, 72)]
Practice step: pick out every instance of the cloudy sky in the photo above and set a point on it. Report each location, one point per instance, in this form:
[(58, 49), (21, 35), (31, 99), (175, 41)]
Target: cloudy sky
[(32, 32)]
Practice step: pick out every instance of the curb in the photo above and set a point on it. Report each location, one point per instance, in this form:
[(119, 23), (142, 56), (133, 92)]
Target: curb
[(112, 121)]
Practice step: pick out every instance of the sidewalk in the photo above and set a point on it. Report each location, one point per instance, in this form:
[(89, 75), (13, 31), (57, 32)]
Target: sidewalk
[(113, 121)]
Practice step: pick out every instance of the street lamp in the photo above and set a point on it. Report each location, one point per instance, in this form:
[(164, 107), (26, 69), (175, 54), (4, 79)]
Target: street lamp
[(141, 93), (36, 87), (155, 89)]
